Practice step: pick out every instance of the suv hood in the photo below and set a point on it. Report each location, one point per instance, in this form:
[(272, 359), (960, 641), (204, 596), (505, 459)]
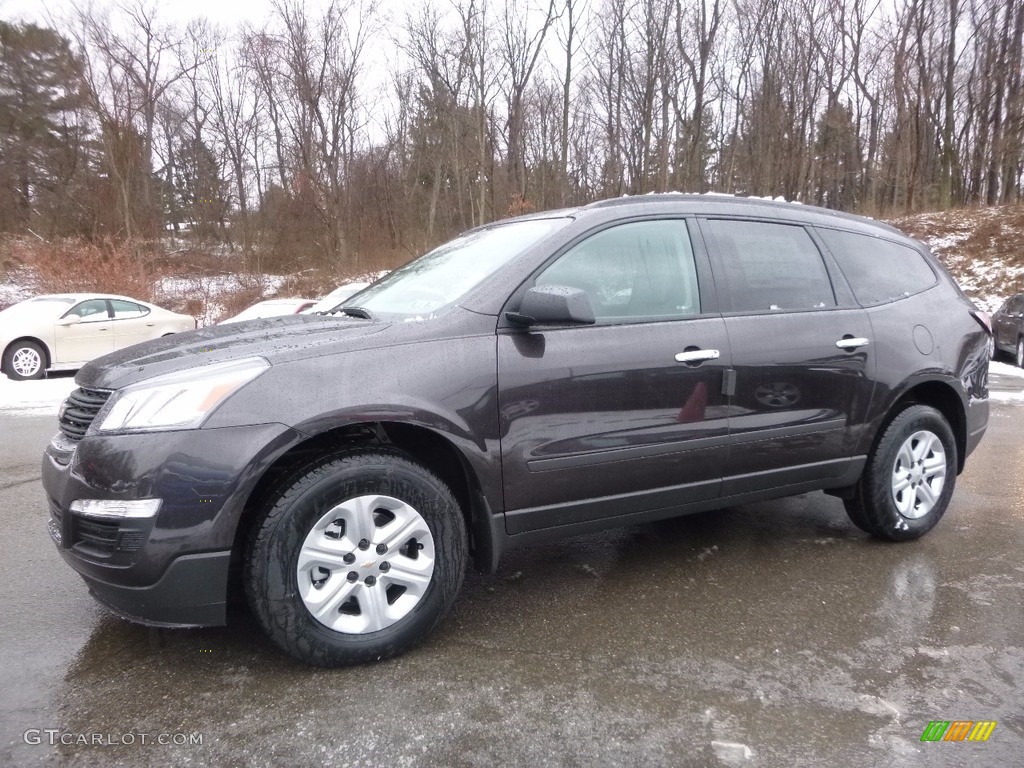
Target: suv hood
[(275, 339)]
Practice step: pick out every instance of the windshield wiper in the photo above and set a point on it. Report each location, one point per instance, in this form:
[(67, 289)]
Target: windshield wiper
[(362, 312)]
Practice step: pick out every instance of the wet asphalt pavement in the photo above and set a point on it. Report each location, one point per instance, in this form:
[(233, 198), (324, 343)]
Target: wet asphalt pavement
[(775, 634)]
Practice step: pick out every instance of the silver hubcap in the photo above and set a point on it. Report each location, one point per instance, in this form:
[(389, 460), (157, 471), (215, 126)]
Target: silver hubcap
[(26, 362), (365, 564), (918, 474), (1020, 353)]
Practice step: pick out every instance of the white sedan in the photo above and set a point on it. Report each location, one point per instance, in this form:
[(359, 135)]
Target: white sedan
[(271, 308), (67, 330), (335, 297)]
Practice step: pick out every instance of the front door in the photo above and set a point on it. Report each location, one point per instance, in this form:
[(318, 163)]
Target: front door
[(606, 420), (85, 340)]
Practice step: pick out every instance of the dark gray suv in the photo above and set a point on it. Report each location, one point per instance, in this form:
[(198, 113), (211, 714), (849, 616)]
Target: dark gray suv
[(1008, 329), (536, 378)]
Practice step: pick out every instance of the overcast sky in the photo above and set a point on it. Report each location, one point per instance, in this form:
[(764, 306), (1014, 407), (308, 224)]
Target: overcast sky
[(221, 12)]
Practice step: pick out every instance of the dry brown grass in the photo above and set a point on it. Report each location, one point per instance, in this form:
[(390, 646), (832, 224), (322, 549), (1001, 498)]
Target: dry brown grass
[(308, 284), (78, 266)]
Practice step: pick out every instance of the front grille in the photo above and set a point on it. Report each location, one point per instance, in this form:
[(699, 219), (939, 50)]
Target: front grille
[(79, 410)]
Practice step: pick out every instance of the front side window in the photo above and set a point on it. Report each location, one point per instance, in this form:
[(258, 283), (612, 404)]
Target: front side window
[(768, 267), (638, 271), (92, 309), (878, 270)]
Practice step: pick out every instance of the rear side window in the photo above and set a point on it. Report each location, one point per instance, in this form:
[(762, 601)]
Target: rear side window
[(127, 309), (766, 267), (632, 272), (878, 270)]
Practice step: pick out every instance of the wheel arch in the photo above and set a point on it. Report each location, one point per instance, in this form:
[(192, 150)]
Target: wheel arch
[(35, 340), (943, 397), (427, 447)]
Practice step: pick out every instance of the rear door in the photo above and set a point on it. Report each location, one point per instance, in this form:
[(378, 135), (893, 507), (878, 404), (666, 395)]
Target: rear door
[(625, 415), (801, 351), (132, 323)]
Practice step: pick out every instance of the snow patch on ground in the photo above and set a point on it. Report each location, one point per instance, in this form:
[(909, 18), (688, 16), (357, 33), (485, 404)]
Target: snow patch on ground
[(1009, 379), (1013, 398), (14, 288), (1005, 369), (210, 288), (41, 397)]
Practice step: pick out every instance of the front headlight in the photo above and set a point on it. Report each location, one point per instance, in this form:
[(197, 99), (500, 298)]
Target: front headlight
[(179, 400)]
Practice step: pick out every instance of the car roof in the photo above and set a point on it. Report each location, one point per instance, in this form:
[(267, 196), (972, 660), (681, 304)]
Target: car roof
[(714, 203), (83, 296)]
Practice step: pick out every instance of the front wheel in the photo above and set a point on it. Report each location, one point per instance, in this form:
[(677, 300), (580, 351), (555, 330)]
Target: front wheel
[(356, 558), (909, 477), (1018, 353)]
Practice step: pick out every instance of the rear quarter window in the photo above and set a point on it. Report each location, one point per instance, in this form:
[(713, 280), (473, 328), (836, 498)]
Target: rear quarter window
[(879, 271)]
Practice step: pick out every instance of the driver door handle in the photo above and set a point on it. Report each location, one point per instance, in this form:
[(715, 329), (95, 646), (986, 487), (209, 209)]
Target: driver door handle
[(852, 343), (697, 355)]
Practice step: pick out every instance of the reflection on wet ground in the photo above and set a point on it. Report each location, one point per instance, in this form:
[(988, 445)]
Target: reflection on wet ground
[(775, 634)]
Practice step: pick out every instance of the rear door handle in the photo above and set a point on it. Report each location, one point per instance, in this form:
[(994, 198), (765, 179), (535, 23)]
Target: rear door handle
[(852, 343), (697, 355)]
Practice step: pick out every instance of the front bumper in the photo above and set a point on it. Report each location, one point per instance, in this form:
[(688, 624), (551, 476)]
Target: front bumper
[(191, 593), (170, 569)]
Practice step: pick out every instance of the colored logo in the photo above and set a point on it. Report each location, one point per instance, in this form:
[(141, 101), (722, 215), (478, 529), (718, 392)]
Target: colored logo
[(958, 730)]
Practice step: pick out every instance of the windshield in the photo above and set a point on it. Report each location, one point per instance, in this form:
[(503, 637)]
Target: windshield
[(440, 278)]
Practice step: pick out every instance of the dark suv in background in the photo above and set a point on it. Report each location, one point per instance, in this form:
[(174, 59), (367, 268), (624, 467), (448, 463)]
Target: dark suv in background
[(1008, 329), (536, 378)]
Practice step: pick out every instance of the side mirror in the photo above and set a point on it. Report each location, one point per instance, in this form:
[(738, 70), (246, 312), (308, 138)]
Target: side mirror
[(70, 320), (553, 305)]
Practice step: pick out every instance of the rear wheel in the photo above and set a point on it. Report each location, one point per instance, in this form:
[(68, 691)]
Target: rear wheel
[(356, 558), (909, 477), (1018, 353), (24, 360)]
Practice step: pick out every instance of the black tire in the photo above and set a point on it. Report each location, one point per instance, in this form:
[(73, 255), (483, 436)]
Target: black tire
[(306, 497), (1018, 353), (24, 347), (873, 507)]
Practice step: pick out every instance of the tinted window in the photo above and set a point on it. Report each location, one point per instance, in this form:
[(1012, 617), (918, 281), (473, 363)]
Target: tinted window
[(632, 271), (93, 309), (769, 267), (124, 309), (878, 270)]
